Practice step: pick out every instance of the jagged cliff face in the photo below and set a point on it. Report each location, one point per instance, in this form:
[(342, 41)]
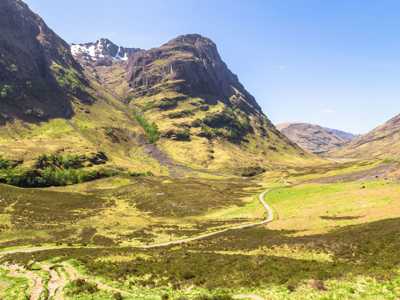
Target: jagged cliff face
[(191, 65), (38, 74)]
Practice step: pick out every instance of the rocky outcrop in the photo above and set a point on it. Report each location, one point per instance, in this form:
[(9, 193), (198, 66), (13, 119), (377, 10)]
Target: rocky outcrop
[(189, 64), (38, 74)]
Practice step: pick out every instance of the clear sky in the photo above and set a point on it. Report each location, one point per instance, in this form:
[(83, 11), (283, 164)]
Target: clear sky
[(334, 63)]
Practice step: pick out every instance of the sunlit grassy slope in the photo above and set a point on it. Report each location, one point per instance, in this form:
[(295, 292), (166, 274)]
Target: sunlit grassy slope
[(335, 236)]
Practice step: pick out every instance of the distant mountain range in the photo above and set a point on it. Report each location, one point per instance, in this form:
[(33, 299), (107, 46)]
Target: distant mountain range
[(315, 138)]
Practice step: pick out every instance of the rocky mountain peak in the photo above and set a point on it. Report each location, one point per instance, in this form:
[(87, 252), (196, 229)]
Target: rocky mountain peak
[(188, 64), (103, 51)]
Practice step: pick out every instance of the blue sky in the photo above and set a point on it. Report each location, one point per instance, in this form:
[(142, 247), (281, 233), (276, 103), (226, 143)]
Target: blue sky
[(334, 63)]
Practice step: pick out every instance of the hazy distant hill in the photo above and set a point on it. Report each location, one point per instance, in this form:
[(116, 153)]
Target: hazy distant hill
[(315, 138), (383, 141)]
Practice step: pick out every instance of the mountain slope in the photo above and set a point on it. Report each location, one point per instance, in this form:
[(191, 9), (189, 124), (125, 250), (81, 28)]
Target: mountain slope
[(171, 110), (383, 141), (314, 138), (198, 104), (38, 75)]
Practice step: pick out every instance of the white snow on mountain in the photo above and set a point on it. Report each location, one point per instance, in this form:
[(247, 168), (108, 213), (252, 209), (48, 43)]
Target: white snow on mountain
[(101, 49)]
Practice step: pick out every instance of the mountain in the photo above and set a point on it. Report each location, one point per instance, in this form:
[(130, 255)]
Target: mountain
[(383, 142), (188, 64), (101, 52), (38, 75), (315, 138), (172, 110), (188, 91)]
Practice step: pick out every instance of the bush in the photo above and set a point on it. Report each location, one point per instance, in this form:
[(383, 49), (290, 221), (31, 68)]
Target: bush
[(51, 170), (6, 90), (150, 129), (5, 163), (58, 161), (81, 286), (141, 174)]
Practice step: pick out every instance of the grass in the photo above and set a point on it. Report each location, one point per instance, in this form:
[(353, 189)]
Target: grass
[(123, 210), (13, 288), (334, 240), (150, 128), (325, 206)]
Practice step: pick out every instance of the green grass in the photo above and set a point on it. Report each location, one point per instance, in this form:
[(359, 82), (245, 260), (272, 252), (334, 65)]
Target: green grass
[(329, 240), (150, 128), (13, 288), (320, 207), (68, 78)]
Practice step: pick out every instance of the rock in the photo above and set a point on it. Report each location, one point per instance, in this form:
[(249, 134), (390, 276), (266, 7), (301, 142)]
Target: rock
[(98, 158), (252, 171), (317, 285), (191, 65), (177, 135), (103, 52), (37, 70)]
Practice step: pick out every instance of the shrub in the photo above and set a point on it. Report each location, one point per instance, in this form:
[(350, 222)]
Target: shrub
[(81, 286), (58, 161), (118, 296), (6, 90), (51, 176), (141, 174), (4, 163)]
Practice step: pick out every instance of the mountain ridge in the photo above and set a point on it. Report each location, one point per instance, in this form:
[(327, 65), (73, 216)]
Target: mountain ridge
[(38, 75), (315, 138), (381, 142), (174, 107), (101, 52)]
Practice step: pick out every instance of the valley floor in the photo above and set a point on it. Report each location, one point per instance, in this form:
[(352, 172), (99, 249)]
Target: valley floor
[(334, 235)]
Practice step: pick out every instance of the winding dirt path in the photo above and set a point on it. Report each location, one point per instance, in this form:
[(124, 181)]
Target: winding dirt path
[(58, 280), (35, 281), (268, 219)]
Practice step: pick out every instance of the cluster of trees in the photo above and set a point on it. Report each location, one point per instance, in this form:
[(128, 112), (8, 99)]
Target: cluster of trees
[(51, 170)]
